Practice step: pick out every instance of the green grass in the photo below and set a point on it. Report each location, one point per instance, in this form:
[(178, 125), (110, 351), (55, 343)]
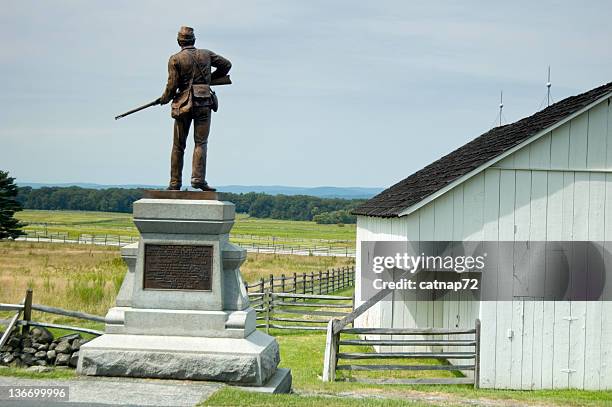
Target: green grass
[(24, 373), (74, 223)]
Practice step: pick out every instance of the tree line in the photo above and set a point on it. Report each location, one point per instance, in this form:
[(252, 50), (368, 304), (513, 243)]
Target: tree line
[(294, 207)]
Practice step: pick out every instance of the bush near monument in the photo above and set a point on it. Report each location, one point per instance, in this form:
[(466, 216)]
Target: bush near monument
[(10, 227)]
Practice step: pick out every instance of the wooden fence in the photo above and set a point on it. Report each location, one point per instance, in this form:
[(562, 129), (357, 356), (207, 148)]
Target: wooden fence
[(301, 301), (307, 312), (434, 341), (434, 348), (82, 238), (26, 307), (317, 247), (322, 282), (280, 238)]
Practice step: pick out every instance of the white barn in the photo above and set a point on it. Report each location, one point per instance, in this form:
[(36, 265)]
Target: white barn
[(547, 177)]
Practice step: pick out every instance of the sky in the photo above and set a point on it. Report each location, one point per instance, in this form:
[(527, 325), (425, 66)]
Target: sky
[(334, 93)]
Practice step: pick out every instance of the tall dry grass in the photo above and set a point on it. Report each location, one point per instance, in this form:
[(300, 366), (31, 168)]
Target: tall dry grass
[(87, 277), (84, 278)]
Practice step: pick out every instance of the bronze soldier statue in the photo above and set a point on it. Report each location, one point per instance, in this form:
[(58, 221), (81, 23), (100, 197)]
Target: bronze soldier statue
[(189, 79)]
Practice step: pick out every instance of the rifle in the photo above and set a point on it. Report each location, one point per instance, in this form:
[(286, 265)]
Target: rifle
[(224, 80)]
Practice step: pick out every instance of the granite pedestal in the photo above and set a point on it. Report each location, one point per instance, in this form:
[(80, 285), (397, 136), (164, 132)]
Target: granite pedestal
[(182, 311)]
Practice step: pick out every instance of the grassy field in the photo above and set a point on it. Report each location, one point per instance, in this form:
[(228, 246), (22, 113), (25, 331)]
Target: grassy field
[(75, 223), (87, 277)]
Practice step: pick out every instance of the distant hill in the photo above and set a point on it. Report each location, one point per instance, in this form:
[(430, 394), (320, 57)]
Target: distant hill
[(321, 192)]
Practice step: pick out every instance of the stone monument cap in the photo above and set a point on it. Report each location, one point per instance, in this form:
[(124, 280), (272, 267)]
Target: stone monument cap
[(192, 195)]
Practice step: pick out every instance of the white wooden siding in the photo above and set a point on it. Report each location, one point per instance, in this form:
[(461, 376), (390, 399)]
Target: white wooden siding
[(556, 188)]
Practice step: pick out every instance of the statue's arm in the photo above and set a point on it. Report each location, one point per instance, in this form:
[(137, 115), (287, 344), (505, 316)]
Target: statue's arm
[(222, 65), (172, 84)]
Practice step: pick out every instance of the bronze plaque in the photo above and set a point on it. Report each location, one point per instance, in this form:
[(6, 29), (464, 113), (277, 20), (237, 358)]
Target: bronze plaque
[(178, 267)]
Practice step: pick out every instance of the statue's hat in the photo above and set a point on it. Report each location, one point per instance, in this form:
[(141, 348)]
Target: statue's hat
[(186, 33)]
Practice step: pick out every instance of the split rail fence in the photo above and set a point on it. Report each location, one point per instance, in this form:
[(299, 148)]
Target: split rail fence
[(301, 301), (322, 282), (26, 307)]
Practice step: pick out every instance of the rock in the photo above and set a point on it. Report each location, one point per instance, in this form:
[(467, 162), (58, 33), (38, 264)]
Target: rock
[(62, 359), (27, 358), (68, 338), (6, 348), (3, 367), (43, 346), (41, 362), (52, 346), (14, 342), (76, 345), (51, 355), (26, 343), (63, 347), (39, 369), (29, 350), (41, 354), (8, 359), (41, 335), (74, 359)]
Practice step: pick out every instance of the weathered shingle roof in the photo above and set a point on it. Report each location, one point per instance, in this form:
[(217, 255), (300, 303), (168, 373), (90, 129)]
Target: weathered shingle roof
[(395, 199)]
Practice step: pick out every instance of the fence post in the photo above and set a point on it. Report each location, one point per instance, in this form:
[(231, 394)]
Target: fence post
[(27, 312), (304, 285), (347, 276), (282, 283), (268, 309), (334, 280), (271, 283), (311, 282), (330, 360), (326, 281), (477, 357), (320, 281)]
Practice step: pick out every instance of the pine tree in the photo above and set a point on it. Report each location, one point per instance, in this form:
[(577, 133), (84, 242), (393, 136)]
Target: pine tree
[(9, 226)]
